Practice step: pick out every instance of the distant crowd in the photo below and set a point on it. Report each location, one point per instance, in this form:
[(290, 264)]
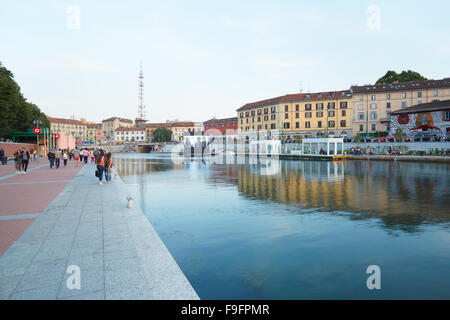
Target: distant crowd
[(99, 157)]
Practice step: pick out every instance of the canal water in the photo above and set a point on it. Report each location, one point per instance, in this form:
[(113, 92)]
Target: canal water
[(243, 228)]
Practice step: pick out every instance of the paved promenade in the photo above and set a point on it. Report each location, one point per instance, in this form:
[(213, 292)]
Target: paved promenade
[(52, 219)]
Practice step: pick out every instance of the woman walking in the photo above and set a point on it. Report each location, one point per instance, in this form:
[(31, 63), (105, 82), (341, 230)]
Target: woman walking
[(18, 161), (107, 165), (65, 157), (25, 160), (100, 166)]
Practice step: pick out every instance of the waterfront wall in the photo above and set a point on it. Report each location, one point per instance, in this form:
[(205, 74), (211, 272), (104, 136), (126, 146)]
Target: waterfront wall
[(410, 146)]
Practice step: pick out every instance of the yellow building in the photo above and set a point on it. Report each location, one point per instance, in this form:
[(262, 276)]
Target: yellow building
[(303, 114), (372, 103), (69, 127), (111, 124)]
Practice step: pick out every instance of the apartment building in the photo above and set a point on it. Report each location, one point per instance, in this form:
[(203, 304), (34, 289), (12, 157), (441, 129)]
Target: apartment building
[(179, 129), (303, 114), (371, 104), (111, 124), (69, 127), (221, 126), (129, 134)]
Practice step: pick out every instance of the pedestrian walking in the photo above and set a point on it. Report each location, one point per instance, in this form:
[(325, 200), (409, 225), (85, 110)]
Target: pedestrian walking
[(25, 160), (65, 157), (91, 154), (95, 153), (100, 167), (57, 158), (2, 156), (85, 155), (51, 158), (76, 155), (18, 161), (107, 166)]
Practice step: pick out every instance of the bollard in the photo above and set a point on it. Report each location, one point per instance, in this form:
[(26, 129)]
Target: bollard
[(130, 202)]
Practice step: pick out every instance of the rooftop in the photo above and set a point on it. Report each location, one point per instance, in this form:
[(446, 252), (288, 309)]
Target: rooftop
[(120, 119), (223, 120), (65, 121), (412, 85), (298, 97), (424, 107)]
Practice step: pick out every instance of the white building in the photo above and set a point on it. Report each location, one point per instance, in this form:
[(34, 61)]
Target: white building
[(132, 134)]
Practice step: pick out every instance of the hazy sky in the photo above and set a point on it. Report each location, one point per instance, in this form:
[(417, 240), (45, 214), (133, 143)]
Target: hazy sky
[(207, 58)]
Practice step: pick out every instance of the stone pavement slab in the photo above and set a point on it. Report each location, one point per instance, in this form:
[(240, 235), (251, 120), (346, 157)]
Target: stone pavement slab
[(119, 254)]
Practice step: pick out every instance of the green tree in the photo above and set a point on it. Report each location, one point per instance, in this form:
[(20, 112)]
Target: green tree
[(162, 134), (404, 76), (16, 114)]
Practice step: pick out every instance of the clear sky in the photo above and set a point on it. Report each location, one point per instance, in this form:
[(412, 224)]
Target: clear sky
[(207, 58)]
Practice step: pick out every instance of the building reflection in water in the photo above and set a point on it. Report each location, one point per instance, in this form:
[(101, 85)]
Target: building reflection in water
[(403, 195)]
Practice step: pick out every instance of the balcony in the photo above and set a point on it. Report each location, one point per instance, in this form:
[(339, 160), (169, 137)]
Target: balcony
[(385, 120)]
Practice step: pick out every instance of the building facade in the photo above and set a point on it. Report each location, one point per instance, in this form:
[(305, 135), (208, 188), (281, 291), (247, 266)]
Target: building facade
[(69, 127), (129, 134), (423, 120), (179, 129), (221, 126), (111, 124), (304, 114), (371, 104)]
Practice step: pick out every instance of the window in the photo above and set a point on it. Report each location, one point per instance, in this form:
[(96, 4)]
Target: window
[(446, 116), (253, 119), (360, 98), (272, 109), (374, 127), (297, 108), (404, 104), (403, 119), (361, 127), (388, 96), (259, 119), (286, 108), (319, 114), (419, 101), (286, 115), (361, 107), (343, 104), (330, 105), (246, 120), (266, 118), (331, 113), (272, 126), (404, 95), (259, 111), (265, 127), (373, 97), (307, 124), (388, 105), (307, 114), (273, 117), (360, 116), (343, 113), (246, 114), (259, 127), (419, 94), (266, 110), (297, 115), (373, 116), (253, 113), (297, 125), (435, 93), (373, 106), (319, 124), (343, 123), (308, 106), (331, 123)]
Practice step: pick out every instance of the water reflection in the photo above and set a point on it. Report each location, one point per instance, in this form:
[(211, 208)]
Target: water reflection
[(403, 195)]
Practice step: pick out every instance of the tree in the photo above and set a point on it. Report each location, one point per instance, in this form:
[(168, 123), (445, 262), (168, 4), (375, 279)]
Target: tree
[(162, 134), (16, 114), (398, 134), (404, 76)]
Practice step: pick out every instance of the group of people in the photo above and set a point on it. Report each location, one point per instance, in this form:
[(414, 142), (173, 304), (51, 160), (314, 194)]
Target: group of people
[(21, 159), (99, 157)]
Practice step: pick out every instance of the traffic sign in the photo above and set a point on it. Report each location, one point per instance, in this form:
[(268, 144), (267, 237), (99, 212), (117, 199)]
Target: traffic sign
[(37, 130), (57, 136)]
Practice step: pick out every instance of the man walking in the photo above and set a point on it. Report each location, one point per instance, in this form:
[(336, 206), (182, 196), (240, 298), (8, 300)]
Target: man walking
[(57, 157), (85, 155), (51, 158), (25, 160), (76, 155)]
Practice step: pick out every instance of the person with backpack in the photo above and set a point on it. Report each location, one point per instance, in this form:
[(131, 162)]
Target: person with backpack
[(107, 167), (25, 161)]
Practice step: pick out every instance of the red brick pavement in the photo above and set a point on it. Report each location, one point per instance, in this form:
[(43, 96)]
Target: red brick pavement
[(29, 193)]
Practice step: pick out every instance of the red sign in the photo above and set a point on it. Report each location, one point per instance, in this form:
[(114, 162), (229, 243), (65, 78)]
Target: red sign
[(57, 136), (37, 130)]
